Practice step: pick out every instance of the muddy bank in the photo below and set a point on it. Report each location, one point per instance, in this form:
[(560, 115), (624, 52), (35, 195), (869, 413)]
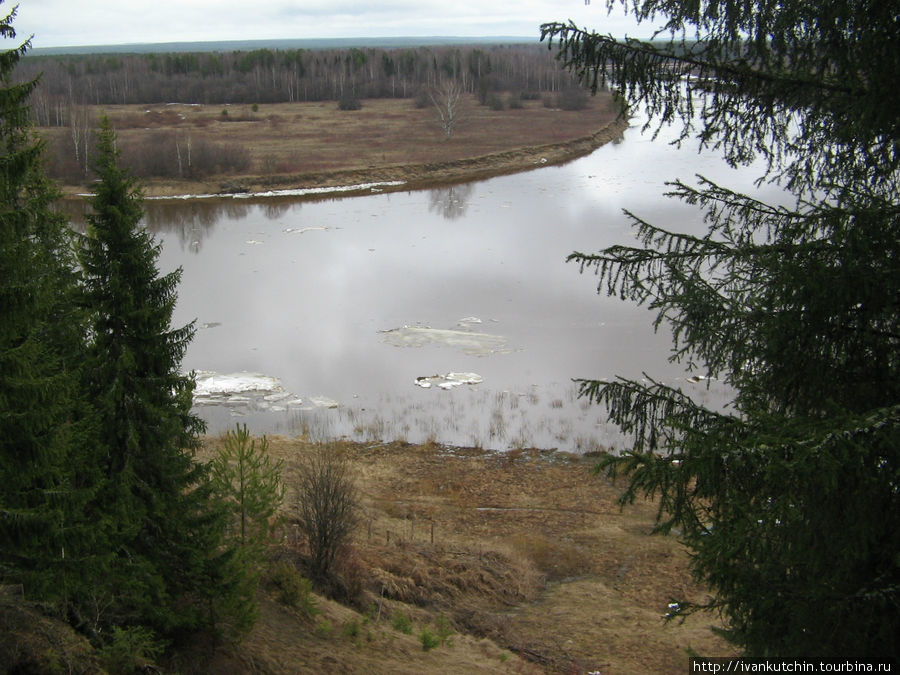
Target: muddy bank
[(386, 178)]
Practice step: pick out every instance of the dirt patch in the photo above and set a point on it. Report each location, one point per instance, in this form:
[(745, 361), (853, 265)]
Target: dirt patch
[(526, 554)]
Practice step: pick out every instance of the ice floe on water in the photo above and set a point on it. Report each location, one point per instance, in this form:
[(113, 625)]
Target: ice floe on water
[(251, 392), (213, 388), (449, 380), (323, 402), (469, 342), (301, 230)]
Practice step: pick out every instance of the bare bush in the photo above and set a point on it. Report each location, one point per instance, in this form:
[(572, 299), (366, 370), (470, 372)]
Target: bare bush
[(167, 154), (349, 101), (327, 507), (573, 98)]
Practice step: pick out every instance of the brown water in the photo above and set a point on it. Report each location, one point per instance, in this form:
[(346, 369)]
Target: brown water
[(348, 301)]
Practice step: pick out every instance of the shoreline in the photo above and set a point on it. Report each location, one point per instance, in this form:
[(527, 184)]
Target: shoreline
[(388, 178)]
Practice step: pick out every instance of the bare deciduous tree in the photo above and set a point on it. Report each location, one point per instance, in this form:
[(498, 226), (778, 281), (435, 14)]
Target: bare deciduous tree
[(447, 100), (327, 506)]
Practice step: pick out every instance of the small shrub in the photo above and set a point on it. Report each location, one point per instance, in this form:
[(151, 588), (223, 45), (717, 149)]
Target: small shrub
[(255, 107), (495, 102), (421, 100), (324, 628), (294, 589), (515, 103), (349, 576), (224, 112), (574, 98), (349, 102), (444, 629), (351, 629), (402, 623), (131, 649), (428, 639)]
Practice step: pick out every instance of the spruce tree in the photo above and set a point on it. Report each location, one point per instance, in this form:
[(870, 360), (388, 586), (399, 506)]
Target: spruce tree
[(165, 529), (44, 483), (788, 499)]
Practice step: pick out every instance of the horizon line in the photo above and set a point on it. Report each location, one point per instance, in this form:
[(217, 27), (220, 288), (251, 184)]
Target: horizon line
[(231, 44)]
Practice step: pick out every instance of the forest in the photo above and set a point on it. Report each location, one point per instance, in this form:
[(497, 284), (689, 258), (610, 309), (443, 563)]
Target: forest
[(282, 76), (72, 88)]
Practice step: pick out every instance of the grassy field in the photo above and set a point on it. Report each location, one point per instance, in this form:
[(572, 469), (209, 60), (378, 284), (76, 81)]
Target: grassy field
[(523, 558), (315, 144)]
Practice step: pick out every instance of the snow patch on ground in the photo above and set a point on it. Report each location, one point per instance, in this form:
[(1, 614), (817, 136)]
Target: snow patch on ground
[(293, 192)]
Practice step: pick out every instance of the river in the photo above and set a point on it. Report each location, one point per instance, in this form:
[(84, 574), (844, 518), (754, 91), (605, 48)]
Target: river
[(339, 312)]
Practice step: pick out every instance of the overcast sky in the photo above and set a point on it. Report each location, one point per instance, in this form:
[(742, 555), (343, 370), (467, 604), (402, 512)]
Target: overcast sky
[(100, 22)]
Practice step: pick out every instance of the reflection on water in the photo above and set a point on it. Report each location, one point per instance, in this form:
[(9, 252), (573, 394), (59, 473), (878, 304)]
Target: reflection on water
[(354, 301), (451, 202)]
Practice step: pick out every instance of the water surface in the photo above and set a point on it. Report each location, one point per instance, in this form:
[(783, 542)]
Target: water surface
[(353, 304)]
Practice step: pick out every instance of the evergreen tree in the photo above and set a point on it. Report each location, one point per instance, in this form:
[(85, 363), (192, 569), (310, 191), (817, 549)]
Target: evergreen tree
[(788, 499), (249, 481), (165, 529), (43, 482)]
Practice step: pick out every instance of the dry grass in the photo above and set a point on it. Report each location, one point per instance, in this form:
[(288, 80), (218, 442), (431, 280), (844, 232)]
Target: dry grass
[(527, 554), (301, 144)]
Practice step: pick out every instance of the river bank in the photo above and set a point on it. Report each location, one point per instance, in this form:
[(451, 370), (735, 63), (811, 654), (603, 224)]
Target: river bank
[(310, 149), (393, 177), (525, 556)]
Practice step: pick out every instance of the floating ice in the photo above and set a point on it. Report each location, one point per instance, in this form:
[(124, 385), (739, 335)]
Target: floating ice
[(246, 390), (323, 402), (301, 230), (449, 380), (215, 384), (474, 344)]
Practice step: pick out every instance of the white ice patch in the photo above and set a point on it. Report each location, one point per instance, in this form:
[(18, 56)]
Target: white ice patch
[(301, 230), (298, 192), (473, 344), (449, 380), (248, 390), (216, 384), (323, 402)]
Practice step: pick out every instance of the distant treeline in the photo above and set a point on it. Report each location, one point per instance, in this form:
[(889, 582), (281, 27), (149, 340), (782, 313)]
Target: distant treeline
[(277, 76)]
